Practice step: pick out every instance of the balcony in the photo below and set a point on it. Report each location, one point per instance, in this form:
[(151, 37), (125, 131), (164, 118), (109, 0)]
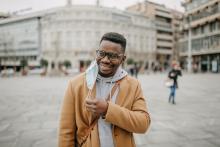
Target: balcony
[(202, 51), (165, 37), (165, 44), (163, 14), (200, 35), (205, 45), (21, 52), (164, 51), (199, 6), (164, 26), (206, 13)]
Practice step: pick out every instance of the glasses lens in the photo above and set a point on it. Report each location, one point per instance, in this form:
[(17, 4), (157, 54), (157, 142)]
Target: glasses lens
[(111, 56), (100, 54)]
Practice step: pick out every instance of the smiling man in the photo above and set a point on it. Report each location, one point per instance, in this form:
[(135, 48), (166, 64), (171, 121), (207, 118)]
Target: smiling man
[(104, 106)]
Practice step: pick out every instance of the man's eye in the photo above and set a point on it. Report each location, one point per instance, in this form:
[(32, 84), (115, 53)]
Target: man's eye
[(113, 56), (102, 53)]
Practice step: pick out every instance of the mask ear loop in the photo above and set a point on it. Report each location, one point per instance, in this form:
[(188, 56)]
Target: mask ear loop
[(90, 90), (110, 90), (110, 95)]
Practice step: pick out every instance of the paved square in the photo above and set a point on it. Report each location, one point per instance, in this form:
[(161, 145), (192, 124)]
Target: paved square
[(29, 111)]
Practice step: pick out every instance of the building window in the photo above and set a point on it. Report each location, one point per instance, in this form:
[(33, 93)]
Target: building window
[(218, 25), (202, 29), (212, 26), (79, 33)]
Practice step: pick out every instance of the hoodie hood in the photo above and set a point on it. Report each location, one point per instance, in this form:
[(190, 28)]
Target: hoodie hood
[(92, 75), (120, 73)]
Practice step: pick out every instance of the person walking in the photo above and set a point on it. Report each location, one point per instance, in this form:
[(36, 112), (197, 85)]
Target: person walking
[(173, 75), (103, 106)]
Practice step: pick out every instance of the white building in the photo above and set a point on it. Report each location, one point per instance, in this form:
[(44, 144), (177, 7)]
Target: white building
[(73, 33), (20, 39)]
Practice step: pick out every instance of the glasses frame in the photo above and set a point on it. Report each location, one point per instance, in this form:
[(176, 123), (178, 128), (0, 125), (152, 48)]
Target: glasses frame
[(109, 55)]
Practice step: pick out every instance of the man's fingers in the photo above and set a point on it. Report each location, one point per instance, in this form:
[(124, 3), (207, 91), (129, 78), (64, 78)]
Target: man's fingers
[(90, 106), (96, 106), (90, 102)]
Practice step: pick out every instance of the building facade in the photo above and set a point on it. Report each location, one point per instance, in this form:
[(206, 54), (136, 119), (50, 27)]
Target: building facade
[(19, 40), (73, 33), (166, 21), (201, 40), (4, 15), (177, 33)]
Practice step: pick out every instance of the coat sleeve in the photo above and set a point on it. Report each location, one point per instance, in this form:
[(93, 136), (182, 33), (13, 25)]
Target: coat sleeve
[(67, 126), (169, 75), (136, 120)]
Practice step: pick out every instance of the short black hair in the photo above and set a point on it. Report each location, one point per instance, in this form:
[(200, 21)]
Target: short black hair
[(115, 37)]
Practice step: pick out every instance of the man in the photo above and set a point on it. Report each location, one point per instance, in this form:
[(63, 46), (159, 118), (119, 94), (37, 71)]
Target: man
[(103, 106)]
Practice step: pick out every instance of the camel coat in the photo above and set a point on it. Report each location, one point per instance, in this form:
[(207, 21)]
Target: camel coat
[(127, 115)]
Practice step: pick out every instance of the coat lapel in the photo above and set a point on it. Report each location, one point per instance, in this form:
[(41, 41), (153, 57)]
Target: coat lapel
[(92, 96), (121, 94)]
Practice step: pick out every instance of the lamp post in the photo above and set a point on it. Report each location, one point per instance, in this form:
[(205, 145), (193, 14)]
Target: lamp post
[(189, 58), (5, 53), (54, 65)]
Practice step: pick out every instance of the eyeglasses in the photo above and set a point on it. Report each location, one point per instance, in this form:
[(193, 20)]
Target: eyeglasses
[(111, 56)]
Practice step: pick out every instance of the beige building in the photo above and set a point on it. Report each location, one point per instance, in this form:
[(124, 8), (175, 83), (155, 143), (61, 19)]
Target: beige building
[(167, 23), (177, 33), (201, 39)]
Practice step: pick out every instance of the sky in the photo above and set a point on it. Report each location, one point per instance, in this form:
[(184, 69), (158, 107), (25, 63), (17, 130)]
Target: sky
[(36, 5)]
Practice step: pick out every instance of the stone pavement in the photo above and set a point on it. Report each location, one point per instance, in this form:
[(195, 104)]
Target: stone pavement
[(29, 111)]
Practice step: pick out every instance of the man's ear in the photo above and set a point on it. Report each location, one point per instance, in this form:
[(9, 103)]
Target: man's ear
[(123, 59)]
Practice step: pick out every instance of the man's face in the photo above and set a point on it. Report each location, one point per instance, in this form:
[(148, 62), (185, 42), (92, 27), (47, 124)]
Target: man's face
[(109, 57)]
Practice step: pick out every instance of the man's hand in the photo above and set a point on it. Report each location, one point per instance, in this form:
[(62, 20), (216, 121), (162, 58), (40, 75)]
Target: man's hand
[(96, 106)]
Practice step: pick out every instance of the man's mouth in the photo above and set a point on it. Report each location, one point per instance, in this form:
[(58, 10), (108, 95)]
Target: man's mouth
[(105, 67)]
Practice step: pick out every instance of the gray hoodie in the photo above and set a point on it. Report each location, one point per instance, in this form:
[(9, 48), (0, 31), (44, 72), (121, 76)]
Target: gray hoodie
[(103, 89)]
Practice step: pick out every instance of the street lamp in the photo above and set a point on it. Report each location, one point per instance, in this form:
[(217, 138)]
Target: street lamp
[(189, 59)]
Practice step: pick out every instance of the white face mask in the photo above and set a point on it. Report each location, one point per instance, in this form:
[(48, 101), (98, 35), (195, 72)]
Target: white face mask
[(91, 74)]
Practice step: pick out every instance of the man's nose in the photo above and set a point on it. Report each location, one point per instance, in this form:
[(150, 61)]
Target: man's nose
[(106, 59)]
